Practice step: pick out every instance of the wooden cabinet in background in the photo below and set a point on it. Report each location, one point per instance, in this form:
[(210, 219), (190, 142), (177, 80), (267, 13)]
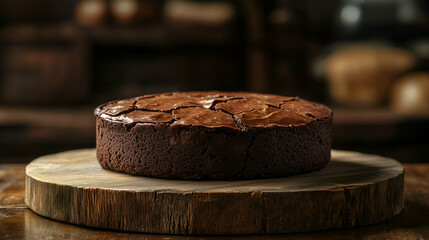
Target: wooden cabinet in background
[(42, 65), (34, 75)]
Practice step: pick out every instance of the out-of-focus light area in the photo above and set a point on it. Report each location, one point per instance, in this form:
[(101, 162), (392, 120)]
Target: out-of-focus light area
[(366, 59)]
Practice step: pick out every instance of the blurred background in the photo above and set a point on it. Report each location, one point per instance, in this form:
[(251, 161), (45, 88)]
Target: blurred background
[(366, 59)]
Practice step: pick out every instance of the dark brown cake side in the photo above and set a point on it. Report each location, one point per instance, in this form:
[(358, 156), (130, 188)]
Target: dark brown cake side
[(213, 135)]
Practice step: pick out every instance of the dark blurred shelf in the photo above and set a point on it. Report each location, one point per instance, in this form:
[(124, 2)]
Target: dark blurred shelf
[(158, 35), (38, 33), (382, 131), (348, 116), (378, 125), (26, 133), (48, 117)]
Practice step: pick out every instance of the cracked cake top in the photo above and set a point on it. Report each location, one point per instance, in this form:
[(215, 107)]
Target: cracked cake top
[(236, 110)]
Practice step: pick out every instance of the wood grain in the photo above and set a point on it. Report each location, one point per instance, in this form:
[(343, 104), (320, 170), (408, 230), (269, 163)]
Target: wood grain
[(12, 186), (353, 190), (22, 223)]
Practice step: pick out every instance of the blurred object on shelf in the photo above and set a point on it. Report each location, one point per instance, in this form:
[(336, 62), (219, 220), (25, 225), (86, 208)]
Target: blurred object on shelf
[(410, 93), (132, 12), (281, 17), (421, 48), (361, 75), (91, 13), (209, 14), (386, 18), (125, 12)]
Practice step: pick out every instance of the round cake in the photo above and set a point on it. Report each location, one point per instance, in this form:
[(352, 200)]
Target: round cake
[(213, 135)]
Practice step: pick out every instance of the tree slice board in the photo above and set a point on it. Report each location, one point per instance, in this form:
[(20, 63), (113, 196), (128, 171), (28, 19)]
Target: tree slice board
[(354, 189)]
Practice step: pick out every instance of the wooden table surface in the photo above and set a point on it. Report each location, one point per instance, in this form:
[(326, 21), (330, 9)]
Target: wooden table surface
[(19, 222)]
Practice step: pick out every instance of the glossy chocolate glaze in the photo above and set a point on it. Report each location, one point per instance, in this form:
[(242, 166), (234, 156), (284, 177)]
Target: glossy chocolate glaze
[(235, 110), (213, 135)]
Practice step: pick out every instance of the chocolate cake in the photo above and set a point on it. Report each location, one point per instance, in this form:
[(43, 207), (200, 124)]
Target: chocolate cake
[(213, 135)]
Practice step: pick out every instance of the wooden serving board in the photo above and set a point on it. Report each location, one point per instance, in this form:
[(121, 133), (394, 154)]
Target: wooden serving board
[(355, 189)]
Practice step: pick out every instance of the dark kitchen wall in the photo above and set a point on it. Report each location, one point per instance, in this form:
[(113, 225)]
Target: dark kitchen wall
[(60, 59)]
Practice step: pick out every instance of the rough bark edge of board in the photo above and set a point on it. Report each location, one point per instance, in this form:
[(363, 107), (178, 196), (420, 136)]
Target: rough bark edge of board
[(218, 213)]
